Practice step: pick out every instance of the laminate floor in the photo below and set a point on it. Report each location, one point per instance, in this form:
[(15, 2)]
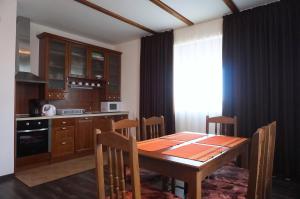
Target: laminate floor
[(83, 186)]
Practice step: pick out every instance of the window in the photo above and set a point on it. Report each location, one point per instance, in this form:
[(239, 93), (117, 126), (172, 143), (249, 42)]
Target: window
[(197, 81)]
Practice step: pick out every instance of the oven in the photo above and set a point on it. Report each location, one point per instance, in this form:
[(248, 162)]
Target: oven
[(32, 137)]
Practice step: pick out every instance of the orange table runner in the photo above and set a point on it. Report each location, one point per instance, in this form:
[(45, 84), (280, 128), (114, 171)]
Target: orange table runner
[(195, 152), (222, 141), (157, 144), (184, 136)]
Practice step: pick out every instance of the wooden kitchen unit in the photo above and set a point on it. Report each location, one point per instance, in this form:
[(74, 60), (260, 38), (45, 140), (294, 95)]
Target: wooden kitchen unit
[(75, 70), (63, 134), (70, 137), (74, 137), (76, 75)]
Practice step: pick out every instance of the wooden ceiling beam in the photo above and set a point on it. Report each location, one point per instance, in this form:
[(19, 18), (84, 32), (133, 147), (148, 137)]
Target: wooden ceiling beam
[(173, 12), (231, 5), (115, 15)]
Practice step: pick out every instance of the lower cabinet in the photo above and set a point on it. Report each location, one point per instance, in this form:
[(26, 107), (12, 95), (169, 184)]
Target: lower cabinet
[(103, 123), (73, 137), (84, 135), (62, 141)]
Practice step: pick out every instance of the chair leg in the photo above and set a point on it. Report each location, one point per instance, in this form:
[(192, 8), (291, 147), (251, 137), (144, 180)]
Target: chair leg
[(165, 182), (173, 185), (185, 188)]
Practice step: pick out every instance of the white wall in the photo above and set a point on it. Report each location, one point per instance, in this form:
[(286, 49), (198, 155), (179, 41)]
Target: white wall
[(130, 78), (8, 12), (36, 29)]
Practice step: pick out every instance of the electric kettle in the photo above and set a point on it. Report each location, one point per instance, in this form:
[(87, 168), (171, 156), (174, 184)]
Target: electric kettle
[(48, 110)]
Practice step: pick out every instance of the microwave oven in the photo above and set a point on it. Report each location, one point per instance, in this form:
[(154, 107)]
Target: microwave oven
[(110, 106)]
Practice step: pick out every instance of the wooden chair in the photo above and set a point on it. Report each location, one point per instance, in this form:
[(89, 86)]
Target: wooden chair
[(224, 123), (254, 186), (153, 127), (115, 145), (269, 159), (125, 127)]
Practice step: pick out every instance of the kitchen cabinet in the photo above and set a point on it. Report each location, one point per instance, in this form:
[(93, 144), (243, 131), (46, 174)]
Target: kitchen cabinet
[(84, 135), (78, 61), (66, 63), (53, 61), (71, 137), (103, 122), (113, 86), (63, 132), (97, 64)]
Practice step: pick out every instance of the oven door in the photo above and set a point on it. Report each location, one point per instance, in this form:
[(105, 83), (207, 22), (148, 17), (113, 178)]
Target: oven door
[(31, 142)]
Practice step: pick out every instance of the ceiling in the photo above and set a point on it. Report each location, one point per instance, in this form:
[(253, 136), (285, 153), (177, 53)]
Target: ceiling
[(74, 17)]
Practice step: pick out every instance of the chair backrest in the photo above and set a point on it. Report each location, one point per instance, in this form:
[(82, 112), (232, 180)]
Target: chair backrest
[(255, 181), (126, 126), (153, 127), (116, 145), (269, 158), (224, 124)]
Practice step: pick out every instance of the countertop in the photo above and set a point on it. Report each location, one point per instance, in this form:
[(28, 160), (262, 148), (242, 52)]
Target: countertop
[(22, 118)]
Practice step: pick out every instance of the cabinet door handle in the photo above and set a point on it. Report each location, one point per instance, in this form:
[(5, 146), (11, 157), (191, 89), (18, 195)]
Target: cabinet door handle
[(63, 122), (64, 143), (63, 128), (86, 118)]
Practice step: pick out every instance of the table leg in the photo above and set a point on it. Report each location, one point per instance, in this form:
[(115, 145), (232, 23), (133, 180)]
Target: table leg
[(244, 157), (194, 186)]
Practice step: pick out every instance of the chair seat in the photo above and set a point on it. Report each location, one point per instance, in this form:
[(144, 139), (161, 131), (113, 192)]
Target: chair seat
[(231, 174), (214, 189)]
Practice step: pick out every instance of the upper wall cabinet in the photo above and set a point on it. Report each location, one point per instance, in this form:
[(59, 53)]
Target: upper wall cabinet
[(97, 64), (64, 60), (57, 65), (54, 61), (113, 85), (78, 61)]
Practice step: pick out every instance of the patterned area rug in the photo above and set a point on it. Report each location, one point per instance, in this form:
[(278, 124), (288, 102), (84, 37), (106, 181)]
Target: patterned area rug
[(51, 172)]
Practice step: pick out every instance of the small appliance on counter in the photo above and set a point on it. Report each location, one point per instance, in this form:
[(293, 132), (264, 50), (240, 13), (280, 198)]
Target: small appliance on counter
[(48, 110), (35, 107), (70, 111), (32, 137), (110, 106)]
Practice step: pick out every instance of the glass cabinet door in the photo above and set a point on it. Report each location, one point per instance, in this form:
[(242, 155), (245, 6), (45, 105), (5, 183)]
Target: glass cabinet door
[(114, 76), (56, 66), (78, 61), (97, 64)]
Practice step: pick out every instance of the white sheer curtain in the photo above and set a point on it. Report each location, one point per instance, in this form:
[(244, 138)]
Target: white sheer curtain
[(197, 75)]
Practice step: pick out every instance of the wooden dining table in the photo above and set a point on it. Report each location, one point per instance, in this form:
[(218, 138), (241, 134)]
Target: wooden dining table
[(191, 157)]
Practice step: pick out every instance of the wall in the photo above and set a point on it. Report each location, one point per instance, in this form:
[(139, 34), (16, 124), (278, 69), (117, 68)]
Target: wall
[(8, 12), (36, 29), (130, 79)]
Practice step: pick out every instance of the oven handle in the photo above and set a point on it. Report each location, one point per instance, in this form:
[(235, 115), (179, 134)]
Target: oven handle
[(32, 130)]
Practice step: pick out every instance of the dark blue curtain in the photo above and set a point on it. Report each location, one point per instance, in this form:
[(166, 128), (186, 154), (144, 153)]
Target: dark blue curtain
[(261, 74)]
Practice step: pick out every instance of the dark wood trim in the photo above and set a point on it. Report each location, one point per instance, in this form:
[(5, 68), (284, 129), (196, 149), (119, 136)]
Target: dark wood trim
[(60, 38), (231, 5), (114, 15), (173, 12)]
